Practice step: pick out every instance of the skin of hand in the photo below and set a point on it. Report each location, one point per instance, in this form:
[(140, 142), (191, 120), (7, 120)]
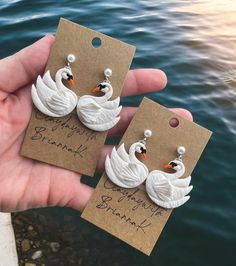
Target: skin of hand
[(26, 183)]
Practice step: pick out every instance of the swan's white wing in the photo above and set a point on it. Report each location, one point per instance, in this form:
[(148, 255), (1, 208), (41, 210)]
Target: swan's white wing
[(39, 94), (165, 192), (122, 153), (170, 204), (117, 163), (38, 103), (111, 104), (175, 189), (62, 103), (101, 101), (125, 170), (112, 169), (162, 191), (181, 182), (180, 187), (51, 102), (98, 100), (49, 81), (124, 174), (178, 193), (112, 175), (94, 116), (88, 101), (158, 186), (44, 92), (87, 107), (103, 127), (135, 174)]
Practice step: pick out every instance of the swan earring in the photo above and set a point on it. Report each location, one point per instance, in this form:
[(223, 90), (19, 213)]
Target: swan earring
[(125, 169), (167, 189), (98, 113), (53, 98)]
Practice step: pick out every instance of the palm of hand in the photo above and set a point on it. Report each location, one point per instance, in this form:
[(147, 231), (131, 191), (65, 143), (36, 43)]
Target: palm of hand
[(25, 183)]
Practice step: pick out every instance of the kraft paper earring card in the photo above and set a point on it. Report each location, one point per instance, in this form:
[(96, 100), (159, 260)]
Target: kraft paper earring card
[(129, 213), (57, 137)]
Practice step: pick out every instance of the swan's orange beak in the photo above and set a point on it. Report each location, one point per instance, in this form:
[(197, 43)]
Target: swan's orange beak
[(144, 156), (72, 83), (97, 89), (168, 166)]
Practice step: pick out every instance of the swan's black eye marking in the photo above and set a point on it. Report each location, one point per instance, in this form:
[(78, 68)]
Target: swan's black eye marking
[(143, 150), (101, 86), (173, 164), (69, 76)]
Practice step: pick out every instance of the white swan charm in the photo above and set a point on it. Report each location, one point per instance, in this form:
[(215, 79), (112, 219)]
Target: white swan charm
[(54, 98), (98, 113), (167, 189), (124, 169)]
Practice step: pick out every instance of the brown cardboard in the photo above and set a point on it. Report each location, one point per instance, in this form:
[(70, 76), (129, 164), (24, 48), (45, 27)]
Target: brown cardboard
[(128, 213), (65, 142)]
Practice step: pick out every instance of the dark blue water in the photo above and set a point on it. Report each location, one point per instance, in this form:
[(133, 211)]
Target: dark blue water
[(194, 42)]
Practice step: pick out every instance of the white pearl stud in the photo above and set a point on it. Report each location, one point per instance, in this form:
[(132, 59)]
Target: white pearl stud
[(108, 72), (147, 133), (181, 150), (71, 58)]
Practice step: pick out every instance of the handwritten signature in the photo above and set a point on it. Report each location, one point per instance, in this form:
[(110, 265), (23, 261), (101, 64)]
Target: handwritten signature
[(67, 123), (131, 196), (39, 136), (104, 205), (135, 202)]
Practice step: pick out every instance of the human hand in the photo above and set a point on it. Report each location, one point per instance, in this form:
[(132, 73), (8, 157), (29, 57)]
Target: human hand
[(26, 183)]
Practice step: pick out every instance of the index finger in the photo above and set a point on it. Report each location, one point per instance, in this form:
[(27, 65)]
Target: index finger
[(141, 81)]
